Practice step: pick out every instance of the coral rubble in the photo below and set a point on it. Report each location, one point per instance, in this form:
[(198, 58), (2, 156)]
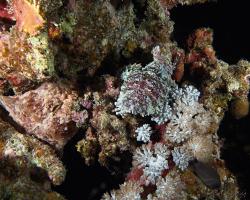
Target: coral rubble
[(72, 67)]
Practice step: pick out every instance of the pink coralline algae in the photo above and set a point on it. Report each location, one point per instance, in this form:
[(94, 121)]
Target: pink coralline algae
[(4, 13), (46, 112)]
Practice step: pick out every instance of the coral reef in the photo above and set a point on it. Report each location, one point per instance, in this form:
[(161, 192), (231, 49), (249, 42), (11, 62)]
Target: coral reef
[(107, 135), (170, 187), (84, 68), (129, 190), (214, 75), (117, 32), (189, 130)]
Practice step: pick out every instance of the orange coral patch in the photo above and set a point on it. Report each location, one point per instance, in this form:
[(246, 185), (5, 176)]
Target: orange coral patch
[(54, 32), (27, 16)]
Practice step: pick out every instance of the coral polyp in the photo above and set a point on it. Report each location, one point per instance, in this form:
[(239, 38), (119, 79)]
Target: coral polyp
[(170, 187), (143, 133), (152, 160), (181, 157), (129, 190)]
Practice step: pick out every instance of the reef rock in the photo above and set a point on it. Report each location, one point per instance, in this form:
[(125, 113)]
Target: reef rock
[(46, 112), (30, 150)]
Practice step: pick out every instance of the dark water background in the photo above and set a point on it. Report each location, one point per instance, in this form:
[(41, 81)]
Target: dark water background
[(230, 21)]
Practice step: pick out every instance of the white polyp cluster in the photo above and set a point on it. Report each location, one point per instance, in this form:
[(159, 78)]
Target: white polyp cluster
[(150, 91), (153, 160), (128, 191), (143, 133), (170, 188), (181, 157)]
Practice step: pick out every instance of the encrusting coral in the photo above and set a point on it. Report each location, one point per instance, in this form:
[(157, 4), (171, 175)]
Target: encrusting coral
[(73, 65), (214, 75), (117, 31)]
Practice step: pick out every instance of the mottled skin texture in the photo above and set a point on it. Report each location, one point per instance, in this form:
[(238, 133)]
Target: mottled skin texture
[(211, 76), (45, 112)]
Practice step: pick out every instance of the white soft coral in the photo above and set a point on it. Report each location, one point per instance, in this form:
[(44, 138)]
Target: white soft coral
[(153, 160), (181, 157), (170, 188), (143, 133), (128, 191)]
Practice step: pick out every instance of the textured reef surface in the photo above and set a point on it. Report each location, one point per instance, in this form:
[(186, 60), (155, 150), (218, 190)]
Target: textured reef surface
[(110, 73)]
